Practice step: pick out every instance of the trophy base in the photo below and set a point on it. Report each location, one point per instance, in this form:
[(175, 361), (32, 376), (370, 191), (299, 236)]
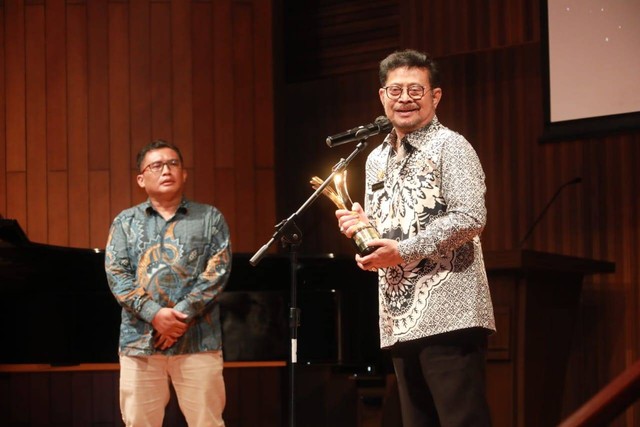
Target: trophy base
[(362, 237), (366, 251)]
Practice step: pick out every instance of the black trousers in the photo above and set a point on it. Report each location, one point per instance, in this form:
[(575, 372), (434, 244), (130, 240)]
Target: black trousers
[(441, 380)]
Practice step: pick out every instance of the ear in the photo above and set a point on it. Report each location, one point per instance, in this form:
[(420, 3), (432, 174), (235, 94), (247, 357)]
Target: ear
[(381, 93), (140, 180), (437, 94)]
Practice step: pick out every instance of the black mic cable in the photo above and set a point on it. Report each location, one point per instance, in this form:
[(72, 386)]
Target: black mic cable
[(575, 180)]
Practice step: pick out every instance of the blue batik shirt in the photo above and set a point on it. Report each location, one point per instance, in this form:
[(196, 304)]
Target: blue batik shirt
[(183, 263)]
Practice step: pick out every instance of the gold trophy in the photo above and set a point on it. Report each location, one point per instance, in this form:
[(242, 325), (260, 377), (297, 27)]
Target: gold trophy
[(340, 197)]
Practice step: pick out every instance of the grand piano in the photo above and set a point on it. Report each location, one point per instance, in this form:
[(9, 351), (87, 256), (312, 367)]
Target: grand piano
[(58, 309)]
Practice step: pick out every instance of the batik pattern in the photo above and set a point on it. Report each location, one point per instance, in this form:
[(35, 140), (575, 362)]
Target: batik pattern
[(431, 200), (183, 263)]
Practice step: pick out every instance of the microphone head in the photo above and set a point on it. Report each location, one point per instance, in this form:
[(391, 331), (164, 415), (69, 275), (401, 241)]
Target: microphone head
[(380, 124), (383, 123)]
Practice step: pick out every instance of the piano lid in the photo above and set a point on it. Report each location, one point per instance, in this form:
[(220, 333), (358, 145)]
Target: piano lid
[(60, 309)]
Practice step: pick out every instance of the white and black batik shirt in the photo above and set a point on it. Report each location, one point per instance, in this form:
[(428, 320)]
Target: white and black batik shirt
[(430, 198)]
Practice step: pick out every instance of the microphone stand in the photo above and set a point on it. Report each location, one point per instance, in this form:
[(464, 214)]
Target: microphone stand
[(290, 235)]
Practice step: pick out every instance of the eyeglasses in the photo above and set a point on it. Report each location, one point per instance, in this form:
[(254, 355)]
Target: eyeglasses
[(415, 92), (157, 167)]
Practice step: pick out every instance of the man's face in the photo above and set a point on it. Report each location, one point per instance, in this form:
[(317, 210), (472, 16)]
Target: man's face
[(409, 112), (169, 176)]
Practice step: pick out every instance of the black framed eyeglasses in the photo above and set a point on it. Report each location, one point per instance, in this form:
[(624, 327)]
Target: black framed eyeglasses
[(415, 92), (157, 167)]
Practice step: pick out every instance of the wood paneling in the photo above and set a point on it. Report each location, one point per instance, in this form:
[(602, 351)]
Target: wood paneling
[(224, 95), (36, 138), (58, 220), (81, 397), (77, 125), (243, 153), (98, 84), (182, 83), (3, 130), (204, 98), (14, 71), (140, 72), (329, 37), (86, 84), (459, 26), (119, 84), (56, 80)]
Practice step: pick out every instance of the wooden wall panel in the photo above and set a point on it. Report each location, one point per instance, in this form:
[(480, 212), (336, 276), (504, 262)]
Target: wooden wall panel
[(19, 400), (39, 391), (77, 124), (35, 111), (14, 49), (244, 87), (104, 394), (98, 84), (224, 186), (57, 189), (264, 93), (119, 85), (99, 212), (3, 128), (181, 82), (161, 72), (67, 397), (86, 84), (56, 97), (17, 196), (327, 37), (140, 70), (81, 398), (265, 202), (458, 26), (223, 95), (204, 98), (62, 408)]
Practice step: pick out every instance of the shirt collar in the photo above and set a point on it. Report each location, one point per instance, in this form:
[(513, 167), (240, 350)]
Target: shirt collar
[(417, 137), (183, 208)]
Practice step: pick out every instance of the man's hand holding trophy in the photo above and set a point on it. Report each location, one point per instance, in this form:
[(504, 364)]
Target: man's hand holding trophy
[(362, 232)]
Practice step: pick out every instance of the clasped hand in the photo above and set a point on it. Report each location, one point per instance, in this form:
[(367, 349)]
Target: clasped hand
[(169, 326)]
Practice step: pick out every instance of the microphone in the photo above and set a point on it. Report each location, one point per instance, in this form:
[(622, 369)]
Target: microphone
[(575, 180), (381, 124)]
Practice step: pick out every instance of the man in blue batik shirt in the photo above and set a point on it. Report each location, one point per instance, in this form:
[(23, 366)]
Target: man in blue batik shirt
[(167, 261)]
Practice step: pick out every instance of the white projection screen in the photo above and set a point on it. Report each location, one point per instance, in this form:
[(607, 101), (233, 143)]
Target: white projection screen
[(592, 53)]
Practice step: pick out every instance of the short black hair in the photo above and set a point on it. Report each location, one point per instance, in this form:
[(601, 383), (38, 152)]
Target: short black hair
[(156, 145), (411, 59)]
